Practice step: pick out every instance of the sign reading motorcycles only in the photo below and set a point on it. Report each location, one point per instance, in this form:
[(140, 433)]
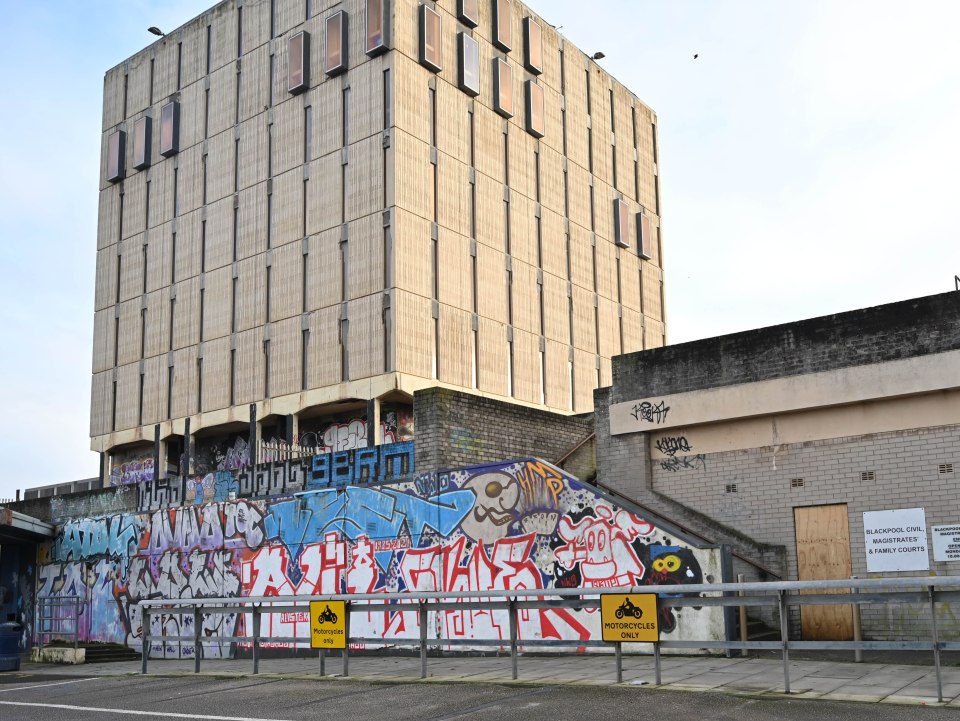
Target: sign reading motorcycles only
[(629, 617), (328, 624)]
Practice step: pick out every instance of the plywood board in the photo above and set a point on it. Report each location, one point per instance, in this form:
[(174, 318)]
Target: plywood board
[(823, 553)]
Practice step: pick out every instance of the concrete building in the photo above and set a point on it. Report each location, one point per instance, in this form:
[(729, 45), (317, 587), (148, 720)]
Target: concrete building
[(311, 210), (806, 447)]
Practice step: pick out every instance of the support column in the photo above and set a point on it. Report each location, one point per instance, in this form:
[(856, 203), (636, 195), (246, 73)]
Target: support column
[(104, 479), (186, 457), (254, 435), (374, 434), (158, 473)]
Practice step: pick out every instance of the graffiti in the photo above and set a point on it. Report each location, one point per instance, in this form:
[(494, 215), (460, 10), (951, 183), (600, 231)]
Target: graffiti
[(672, 445), (91, 537), (131, 467), (601, 546), (363, 465), (334, 470), (506, 526), (649, 412), (396, 426), (679, 463), (222, 453)]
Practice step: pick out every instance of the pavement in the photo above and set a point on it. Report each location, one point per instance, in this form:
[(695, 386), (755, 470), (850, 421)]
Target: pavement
[(829, 679)]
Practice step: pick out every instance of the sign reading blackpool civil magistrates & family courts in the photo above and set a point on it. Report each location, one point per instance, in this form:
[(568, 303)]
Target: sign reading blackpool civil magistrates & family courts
[(896, 540)]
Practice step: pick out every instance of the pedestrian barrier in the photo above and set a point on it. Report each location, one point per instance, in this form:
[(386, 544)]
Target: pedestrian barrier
[(925, 591)]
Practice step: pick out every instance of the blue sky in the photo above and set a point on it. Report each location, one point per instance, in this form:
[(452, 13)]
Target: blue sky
[(809, 162)]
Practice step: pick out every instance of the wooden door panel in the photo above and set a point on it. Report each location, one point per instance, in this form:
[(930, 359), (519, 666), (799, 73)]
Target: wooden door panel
[(823, 553)]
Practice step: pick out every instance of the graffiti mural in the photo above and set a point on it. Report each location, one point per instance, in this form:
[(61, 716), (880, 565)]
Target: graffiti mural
[(509, 526), (133, 466), (349, 433)]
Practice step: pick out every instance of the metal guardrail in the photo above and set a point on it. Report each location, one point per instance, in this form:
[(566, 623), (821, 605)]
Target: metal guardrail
[(58, 618), (926, 591)]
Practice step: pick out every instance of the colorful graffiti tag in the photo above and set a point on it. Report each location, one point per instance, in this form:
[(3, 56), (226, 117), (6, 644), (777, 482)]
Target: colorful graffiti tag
[(521, 525)]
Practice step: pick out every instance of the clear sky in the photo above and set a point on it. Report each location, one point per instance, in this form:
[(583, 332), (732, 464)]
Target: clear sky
[(809, 159)]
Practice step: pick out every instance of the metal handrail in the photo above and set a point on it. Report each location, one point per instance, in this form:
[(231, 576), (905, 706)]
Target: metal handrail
[(782, 594)]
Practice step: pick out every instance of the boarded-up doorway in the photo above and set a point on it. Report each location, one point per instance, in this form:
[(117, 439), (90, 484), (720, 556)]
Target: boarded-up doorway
[(823, 553)]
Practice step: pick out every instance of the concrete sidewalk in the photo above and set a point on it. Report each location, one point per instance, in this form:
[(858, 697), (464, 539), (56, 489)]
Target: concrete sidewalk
[(809, 679)]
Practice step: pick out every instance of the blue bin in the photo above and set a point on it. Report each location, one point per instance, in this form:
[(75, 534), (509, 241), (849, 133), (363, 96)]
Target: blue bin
[(10, 646)]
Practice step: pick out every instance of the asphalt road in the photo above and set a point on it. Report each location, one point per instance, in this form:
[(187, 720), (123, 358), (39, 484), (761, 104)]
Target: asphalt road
[(27, 697)]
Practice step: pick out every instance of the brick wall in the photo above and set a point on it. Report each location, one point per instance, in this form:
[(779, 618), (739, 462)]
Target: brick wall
[(872, 335), (455, 429), (906, 470)]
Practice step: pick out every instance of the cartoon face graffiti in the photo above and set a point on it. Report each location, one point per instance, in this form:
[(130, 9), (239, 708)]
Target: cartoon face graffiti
[(495, 508)]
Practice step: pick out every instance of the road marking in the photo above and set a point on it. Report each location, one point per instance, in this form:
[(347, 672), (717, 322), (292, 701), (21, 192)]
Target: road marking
[(132, 712), (42, 685)]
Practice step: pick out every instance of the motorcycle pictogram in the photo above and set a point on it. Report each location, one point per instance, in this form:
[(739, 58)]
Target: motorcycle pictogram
[(327, 616), (628, 609)]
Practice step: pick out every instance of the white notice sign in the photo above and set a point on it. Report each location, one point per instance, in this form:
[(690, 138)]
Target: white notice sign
[(896, 540), (946, 542)]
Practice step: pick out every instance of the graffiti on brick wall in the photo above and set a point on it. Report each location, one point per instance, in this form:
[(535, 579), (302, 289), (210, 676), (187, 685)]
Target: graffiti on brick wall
[(676, 464), (333, 470), (322, 437), (520, 525), (134, 466), (672, 445)]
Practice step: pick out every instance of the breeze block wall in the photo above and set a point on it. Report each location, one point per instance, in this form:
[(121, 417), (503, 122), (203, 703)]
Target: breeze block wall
[(514, 525)]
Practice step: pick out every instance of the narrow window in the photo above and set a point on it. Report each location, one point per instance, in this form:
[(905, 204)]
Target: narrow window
[(307, 134), (176, 204), (199, 384), (143, 289), (203, 181), (268, 294), (116, 341), (146, 205), (233, 306), (533, 46), (119, 274), (387, 99), (337, 44), (468, 66), (273, 77), (209, 47), (170, 129), (206, 113), (143, 333), (113, 412), (503, 24), (236, 106), (233, 375), (308, 12), (239, 32), (170, 392), (613, 145), (644, 240), (141, 142), (503, 88), (304, 359), (203, 246), (150, 92), (201, 315), (173, 258), (179, 65), (536, 123), (173, 310), (299, 52), (431, 55), (266, 369), (126, 93), (140, 402), (236, 233), (116, 149), (269, 221), (273, 18), (621, 224), (469, 12), (376, 27)]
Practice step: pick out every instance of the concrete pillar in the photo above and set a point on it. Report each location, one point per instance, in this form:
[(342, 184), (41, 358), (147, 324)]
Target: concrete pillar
[(374, 434), (254, 438)]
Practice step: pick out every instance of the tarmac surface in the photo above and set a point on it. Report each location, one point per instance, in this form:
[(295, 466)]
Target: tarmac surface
[(834, 678)]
